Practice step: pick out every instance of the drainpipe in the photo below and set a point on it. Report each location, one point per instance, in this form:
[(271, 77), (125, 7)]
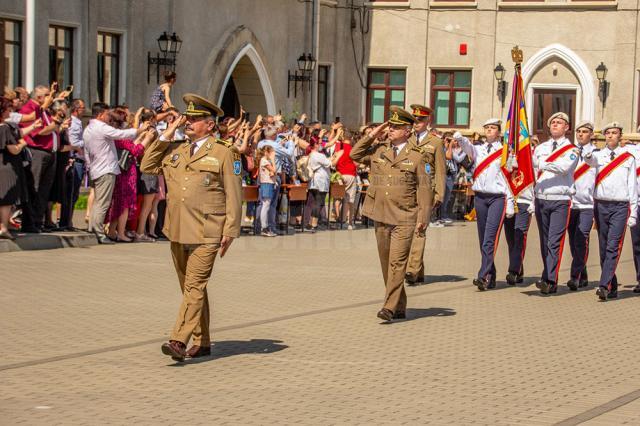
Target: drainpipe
[(30, 60), (315, 43)]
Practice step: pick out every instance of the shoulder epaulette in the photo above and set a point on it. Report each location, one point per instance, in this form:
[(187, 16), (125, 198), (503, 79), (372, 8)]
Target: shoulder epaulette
[(228, 144)]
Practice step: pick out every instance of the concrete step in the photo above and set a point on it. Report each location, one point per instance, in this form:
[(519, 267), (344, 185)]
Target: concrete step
[(49, 241)]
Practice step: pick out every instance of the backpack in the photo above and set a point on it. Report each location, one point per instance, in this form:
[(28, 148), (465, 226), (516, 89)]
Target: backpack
[(305, 174)]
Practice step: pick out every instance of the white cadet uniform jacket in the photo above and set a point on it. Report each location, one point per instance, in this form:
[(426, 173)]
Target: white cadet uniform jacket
[(620, 183), (554, 179), (585, 181), (491, 180), (635, 151)]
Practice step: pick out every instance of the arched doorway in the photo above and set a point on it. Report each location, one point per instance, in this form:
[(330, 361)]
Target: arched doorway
[(247, 84), (557, 79)]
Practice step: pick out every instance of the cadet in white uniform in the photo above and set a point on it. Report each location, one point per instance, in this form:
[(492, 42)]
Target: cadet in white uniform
[(635, 231), (554, 162), (581, 216), (615, 204), (493, 199)]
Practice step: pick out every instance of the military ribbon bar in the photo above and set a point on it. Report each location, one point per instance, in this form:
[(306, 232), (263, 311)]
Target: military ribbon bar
[(486, 163), (611, 167)]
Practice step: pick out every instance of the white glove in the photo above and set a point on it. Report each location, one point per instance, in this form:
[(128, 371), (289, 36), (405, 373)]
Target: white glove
[(510, 211), (531, 209), (457, 136), (632, 222)]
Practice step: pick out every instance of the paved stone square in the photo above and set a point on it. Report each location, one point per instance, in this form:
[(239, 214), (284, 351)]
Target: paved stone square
[(297, 340)]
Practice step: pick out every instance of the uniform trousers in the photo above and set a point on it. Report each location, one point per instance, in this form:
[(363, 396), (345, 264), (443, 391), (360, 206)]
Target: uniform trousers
[(394, 245), (415, 263), (635, 240), (580, 224), (553, 218), (611, 219), (490, 211), (193, 263), (515, 231)]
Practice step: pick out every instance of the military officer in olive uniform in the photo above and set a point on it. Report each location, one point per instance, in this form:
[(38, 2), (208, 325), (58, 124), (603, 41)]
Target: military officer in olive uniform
[(399, 200), (204, 200), (434, 152)]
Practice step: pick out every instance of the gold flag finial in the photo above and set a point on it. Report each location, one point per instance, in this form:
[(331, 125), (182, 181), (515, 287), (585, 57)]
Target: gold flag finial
[(516, 55)]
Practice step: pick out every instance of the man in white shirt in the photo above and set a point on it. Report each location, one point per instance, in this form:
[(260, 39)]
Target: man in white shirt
[(102, 159)]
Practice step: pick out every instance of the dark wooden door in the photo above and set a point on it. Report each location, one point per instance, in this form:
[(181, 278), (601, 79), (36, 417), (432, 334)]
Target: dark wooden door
[(546, 102)]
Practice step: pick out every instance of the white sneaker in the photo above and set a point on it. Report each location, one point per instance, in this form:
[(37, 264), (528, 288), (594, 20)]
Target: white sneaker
[(350, 227), (447, 221), (436, 224)]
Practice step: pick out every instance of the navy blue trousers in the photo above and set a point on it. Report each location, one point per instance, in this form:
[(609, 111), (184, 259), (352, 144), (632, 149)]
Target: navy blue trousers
[(635, 240), (580, 224), (552, 217), (515, 231), (490, 209), (611, 219)]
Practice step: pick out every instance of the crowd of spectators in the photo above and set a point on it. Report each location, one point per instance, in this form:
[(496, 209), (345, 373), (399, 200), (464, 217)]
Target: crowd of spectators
[(50, 149)]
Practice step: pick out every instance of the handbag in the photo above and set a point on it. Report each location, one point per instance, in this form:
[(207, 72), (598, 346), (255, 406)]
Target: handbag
[(124, 159)]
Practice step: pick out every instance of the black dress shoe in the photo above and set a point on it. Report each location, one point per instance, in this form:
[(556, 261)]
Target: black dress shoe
[(481, 283), (602, 293), (196, 351), (541, 283), (410, 279), (491, 285), (612, 294), (175, 349), (572, 284), (400, 315), (553, 288), (636, 289), (512, 278), (547, 287), (583, 283), (385, 314)]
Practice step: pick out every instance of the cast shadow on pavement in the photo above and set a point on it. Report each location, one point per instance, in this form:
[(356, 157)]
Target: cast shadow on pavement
[(417, 313), (432, 279), (526, 282), (227, 348)]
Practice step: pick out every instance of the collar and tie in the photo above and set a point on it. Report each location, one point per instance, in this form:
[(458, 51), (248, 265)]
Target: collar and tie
[(395, 152), (489, 147), (194, 148), (554, 146), (613, 155)]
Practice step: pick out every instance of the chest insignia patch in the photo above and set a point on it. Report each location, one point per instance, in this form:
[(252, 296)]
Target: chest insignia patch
[(427, 168), (237, 167), (174, 158)]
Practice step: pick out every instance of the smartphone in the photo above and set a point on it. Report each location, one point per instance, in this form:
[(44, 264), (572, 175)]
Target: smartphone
[(337, 120)]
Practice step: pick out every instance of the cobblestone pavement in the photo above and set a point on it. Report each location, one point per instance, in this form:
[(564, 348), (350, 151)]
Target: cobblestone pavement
[(297, 340)]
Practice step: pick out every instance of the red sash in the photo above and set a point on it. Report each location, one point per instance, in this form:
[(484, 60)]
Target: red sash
[(580, 171), (638, 172), (611, 167), (555, 155), (486, 163)]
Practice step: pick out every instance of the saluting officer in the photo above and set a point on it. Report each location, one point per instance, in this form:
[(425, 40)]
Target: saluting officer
[(493, 199), (516, 229), (399, 200), (615, 204), (635, 231), (554, 161), (202, 218), (434, 152), (581, 216)]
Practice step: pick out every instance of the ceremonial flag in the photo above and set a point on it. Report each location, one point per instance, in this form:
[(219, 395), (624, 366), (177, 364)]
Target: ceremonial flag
[(516, 153)]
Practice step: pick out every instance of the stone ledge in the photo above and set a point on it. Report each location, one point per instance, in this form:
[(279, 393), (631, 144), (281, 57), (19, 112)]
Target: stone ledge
[(48, 241)]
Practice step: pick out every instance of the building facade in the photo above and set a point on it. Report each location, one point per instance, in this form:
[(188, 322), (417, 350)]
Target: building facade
[(368, 55)]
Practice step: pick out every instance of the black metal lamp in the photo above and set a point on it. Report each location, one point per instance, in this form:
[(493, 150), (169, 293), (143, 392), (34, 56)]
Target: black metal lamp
[(306, 65), (499, 72), (176, 44), (603, 87), (169, 47)]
